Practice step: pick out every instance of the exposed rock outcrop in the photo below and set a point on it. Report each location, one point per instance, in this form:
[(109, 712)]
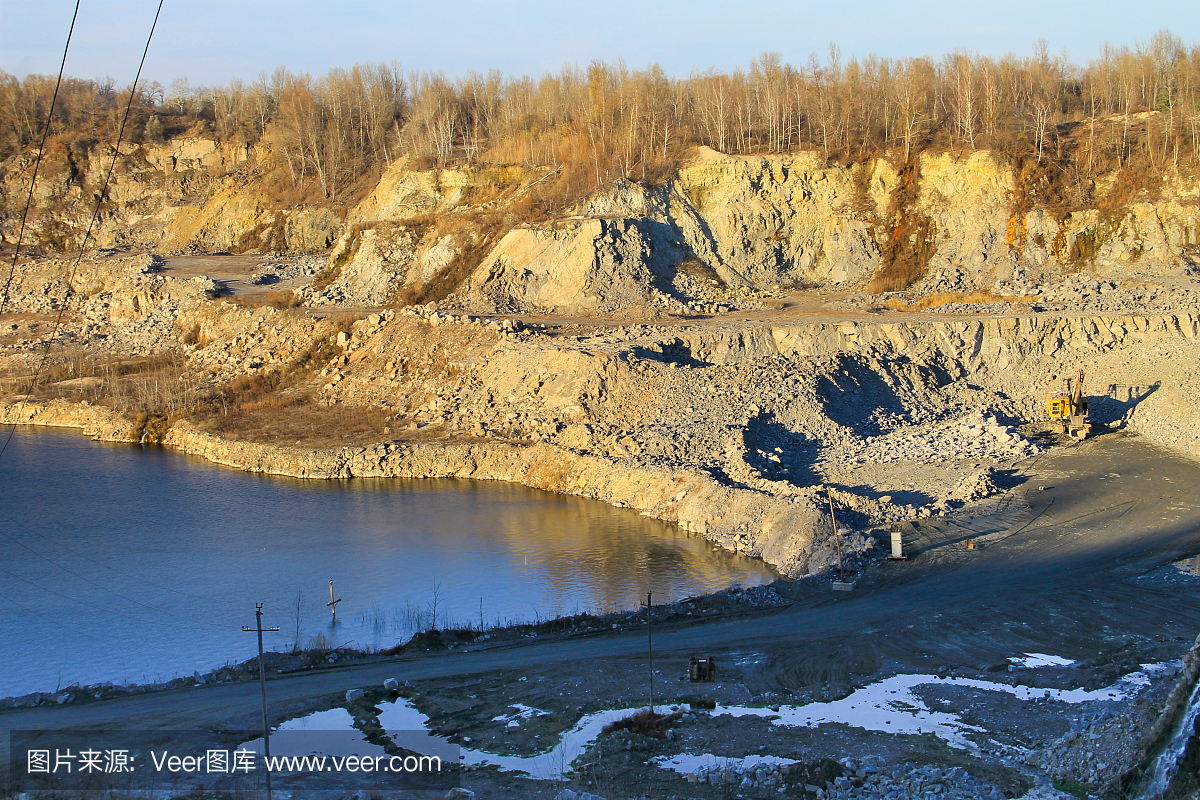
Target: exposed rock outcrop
[(100, 423), (191, 193), (577, 266), (963, 222)]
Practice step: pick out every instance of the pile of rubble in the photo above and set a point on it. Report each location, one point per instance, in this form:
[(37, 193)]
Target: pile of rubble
[(870, 780)]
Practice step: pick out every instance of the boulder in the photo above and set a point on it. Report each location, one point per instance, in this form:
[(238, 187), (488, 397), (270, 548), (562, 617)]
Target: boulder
[(571, 794)]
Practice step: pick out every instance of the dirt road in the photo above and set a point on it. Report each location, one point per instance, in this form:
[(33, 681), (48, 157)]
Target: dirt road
[(1063, 577)]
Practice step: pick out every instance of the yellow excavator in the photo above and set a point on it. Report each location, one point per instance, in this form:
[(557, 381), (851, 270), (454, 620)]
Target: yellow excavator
[(1068, 411)]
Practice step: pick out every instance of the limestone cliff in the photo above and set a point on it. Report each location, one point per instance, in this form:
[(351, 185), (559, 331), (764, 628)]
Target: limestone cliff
[(963, 221), (772, 222), (190, 193)]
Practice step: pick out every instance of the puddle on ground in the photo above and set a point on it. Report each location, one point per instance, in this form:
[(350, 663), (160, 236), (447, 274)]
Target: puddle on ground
[(325, 733)]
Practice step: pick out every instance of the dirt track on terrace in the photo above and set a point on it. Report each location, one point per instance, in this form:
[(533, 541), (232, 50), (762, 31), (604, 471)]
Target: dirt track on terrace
[(1062, 577)]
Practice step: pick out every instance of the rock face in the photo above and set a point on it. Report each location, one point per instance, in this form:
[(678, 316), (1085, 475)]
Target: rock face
[(577, 266), (382, 261), (191, 193), (982, 239), (787, 220), (749, 222), (770, 222), (790, 219), (403, 193), (98, 422), (759, 223)]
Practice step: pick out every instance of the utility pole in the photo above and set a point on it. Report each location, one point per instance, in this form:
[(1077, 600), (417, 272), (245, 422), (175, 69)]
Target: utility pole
[(836, 539), (333, 603), (262, 682), (650, 646)]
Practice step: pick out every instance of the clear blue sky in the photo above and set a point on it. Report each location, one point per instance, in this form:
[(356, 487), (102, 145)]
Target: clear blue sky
[(211, 41)]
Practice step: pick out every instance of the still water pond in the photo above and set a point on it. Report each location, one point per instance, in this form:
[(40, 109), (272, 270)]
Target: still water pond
[(128, 564)]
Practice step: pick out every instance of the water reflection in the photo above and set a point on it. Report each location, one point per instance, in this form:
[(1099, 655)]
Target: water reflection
[(128, 564)]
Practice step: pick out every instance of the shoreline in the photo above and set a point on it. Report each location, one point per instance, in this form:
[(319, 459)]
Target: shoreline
[(104, 425), (781, 526)]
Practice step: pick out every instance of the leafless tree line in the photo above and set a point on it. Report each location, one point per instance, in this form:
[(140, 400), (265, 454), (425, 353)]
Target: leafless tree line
[(1130, 107), (152, 385)]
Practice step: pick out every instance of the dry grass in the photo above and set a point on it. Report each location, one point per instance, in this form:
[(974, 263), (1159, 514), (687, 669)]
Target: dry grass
[(156, 391), (947, 298), (646, 723), (274, 299), (153, 384), (291, 419), (152, 392), (277, 407)]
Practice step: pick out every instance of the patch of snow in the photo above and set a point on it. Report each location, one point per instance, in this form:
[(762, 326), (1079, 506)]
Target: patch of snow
[(549, 765), (889, 706), (687, 764), (1035, 660), (892, 706), (522, 712)]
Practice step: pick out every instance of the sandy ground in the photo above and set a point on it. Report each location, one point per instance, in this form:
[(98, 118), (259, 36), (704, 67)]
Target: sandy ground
[(1073, 562)]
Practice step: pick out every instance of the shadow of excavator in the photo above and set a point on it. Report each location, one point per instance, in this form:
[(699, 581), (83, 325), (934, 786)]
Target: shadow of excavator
[(1118, 402)]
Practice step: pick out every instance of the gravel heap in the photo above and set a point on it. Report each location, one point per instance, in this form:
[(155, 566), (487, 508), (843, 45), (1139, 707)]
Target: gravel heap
[(122, 306), (706, 296), (294, 269), (976, 435), (975, 486), (754, 776), (870, 780), (1101, 746), (1085, 293)]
